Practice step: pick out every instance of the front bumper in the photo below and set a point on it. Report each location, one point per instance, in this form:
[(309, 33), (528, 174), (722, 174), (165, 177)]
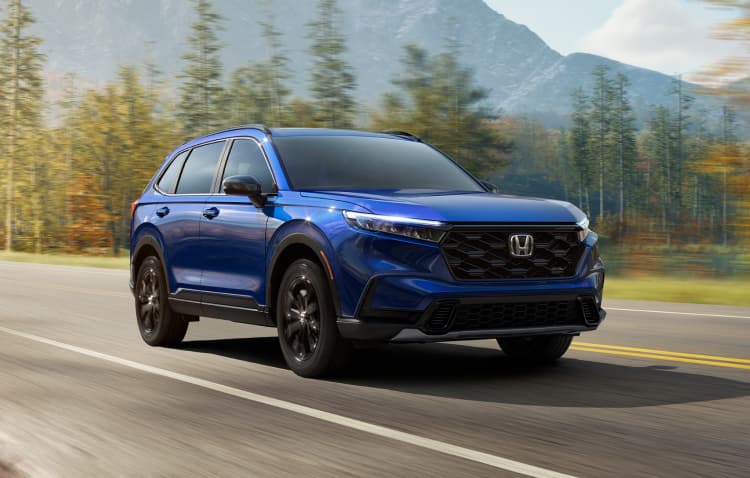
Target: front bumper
[(405, 308)]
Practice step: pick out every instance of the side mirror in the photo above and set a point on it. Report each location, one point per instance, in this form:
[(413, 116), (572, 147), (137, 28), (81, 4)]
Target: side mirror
[(245, 186), (489, 186)]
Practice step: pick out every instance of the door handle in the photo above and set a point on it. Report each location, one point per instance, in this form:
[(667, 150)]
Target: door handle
[(210, 213), (161, 212)]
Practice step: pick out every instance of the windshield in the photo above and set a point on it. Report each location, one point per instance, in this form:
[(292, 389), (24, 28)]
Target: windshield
[(366, 162)]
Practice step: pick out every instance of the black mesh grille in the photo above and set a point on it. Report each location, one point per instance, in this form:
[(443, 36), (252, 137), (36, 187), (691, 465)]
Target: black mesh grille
[(518, 315), (483, 254)]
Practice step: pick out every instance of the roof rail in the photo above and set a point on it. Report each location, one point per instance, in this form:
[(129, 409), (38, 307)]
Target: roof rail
[(260, 127), (403, 133)]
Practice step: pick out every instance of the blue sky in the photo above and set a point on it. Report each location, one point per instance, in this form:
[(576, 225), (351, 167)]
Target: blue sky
[(671, 36)]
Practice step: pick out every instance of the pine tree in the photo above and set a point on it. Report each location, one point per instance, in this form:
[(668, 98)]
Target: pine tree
[(201, 89), (332, 82), (623, 140), (258, 93), (21, 92), (679, 132), (276, 69), (563, 159), (601, 106), (443, 106), (580, 146), (660, 147)]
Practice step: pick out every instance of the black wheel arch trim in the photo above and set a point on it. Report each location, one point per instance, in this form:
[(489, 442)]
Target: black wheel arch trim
[(147, 240), (299, 238)]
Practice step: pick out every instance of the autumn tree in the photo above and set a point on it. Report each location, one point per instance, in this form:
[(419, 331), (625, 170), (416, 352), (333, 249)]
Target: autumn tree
[(21, 94), (122, 142)]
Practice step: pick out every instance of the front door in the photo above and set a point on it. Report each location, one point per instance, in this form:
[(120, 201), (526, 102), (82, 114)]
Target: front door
[(233, 236)]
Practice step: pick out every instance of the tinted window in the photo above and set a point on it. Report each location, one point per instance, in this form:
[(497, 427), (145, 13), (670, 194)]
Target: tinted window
[(168, 180), (198, 173), (246, 159), (358, 162)]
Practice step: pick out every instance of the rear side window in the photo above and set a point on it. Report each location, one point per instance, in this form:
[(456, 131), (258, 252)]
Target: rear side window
[(168, 180), (198, 174), (246, 159)]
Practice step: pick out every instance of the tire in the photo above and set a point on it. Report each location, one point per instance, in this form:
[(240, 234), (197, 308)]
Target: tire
[(159, 325), (537, 349), (306, 322)]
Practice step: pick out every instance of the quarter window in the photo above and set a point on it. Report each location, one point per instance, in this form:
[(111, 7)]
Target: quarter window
[(247, 159), (168, 180), (198, 174)]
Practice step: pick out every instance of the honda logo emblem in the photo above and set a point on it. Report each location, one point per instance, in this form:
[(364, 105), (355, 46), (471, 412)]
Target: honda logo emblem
[(521, 245)]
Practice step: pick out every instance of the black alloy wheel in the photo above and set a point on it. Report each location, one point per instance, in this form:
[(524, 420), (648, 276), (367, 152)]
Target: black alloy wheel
[(306, 322), (158, 323), (302, 317)]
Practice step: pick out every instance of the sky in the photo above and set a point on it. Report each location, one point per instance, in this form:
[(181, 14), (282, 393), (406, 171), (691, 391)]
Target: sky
[(670, 36)]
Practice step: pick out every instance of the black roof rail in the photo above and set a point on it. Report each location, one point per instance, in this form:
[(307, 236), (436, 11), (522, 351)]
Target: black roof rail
[(260, 127), (403, 133)]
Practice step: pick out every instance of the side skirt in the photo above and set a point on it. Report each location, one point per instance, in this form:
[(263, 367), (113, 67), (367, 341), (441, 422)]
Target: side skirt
[(235, 308)]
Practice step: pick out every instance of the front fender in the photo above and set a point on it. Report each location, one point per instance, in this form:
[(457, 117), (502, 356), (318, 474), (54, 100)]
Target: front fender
[(302, 232)]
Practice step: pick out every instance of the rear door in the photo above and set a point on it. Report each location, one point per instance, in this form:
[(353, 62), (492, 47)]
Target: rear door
[(233, 234), (186, 186)]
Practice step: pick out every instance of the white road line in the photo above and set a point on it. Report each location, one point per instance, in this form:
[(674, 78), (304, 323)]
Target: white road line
[(678, 313), (385, 432)]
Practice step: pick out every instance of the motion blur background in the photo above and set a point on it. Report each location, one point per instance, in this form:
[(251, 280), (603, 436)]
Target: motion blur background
[(94, 94)]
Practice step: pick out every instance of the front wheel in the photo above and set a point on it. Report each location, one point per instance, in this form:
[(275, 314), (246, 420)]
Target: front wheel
[(306, 322), (158, 323), (536, 349)]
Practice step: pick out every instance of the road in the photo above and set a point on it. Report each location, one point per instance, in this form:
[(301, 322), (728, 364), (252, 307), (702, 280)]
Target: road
[(661, 390)]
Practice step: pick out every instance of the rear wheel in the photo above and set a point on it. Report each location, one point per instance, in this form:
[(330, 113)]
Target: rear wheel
[(158, 323), (306, 322), (536, 349)]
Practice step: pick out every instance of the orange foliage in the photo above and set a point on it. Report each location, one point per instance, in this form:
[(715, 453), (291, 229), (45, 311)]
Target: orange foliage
[(86, 231)]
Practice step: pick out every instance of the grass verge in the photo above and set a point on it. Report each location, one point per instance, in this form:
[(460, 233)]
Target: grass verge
[(68, 260), (734, 291)]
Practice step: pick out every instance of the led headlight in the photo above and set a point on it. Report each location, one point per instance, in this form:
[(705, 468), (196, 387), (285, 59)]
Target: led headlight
[(584, 229), (421, 229)]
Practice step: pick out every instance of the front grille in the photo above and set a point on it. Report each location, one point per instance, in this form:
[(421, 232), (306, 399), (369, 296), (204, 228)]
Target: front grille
[(455, 315), (483, 254)]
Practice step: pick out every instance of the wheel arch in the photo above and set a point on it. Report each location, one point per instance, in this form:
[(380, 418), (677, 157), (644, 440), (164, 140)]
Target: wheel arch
[(299, 245), (146, 246)]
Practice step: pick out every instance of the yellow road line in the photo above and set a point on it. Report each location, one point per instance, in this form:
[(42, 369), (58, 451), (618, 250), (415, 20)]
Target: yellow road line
[(662, 352), (660, 357)]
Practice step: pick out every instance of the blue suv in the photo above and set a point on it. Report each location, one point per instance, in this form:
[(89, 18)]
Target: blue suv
[(343, 237)]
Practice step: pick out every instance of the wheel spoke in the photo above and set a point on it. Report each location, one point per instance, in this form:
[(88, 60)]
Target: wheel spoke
[(293, 328), (311, 340), (312, 308), (146, 309)]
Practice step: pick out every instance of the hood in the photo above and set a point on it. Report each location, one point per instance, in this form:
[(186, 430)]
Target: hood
[(458, 207)]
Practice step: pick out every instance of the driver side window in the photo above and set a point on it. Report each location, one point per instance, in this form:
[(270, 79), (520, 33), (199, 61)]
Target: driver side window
[(247, 159)]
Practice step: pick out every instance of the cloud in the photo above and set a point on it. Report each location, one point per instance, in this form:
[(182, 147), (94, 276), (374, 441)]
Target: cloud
[(665, 35)]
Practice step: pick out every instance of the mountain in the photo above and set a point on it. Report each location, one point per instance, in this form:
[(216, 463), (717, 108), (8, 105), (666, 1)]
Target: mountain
[(522, 73)]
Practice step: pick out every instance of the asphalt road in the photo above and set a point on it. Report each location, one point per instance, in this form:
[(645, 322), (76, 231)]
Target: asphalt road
[(650, 394)]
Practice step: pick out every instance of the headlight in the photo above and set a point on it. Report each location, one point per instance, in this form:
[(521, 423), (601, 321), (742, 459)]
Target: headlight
[(584, 231), (421, 229)]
